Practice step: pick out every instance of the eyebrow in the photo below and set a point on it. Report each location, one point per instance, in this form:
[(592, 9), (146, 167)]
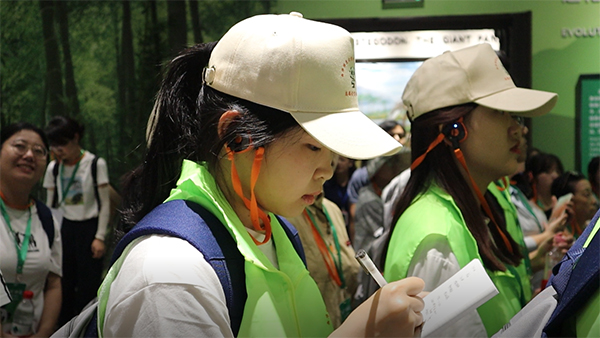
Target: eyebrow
[(24, 140)]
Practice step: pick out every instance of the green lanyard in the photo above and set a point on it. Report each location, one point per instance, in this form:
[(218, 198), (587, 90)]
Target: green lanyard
[(66, 189), (528, 207), (21, 250), (338, 262)]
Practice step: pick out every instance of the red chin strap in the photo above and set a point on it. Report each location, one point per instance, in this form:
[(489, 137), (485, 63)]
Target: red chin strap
[(255, 212), (460, 157), (433, 144)]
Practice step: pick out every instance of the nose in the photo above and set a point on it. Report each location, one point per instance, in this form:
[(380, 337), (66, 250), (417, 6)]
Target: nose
[(29, 153), (327, 167), (525, 130), (515, 129)]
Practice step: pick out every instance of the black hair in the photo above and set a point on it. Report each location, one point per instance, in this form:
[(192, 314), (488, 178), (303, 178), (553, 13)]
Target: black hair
[(566, 183), (439, 167), (185, 120), (593, 168), (538, 164), (389, 125), (62, 129), (14, 128)]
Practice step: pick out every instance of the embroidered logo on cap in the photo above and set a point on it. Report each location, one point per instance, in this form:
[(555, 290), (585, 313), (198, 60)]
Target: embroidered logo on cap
[(348, 71), (499, 66)]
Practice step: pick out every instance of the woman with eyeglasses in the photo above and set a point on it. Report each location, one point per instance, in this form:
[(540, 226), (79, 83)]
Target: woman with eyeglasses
[(465, 111), (77, 184), (584, 201), (30, 245)]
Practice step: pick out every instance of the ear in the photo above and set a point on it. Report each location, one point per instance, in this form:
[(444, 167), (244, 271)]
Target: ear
[(225, 120)]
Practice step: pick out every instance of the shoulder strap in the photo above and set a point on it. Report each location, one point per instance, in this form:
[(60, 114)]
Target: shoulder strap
[(55, 174), (45, 216), (191, 222), (95, 178), (582, 283)]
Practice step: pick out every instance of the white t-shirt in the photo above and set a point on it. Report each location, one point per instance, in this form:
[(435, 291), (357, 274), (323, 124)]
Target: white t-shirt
[(434, 262), (390, 195), (80, 202), (40, 259), (165, 288), (531, 218)]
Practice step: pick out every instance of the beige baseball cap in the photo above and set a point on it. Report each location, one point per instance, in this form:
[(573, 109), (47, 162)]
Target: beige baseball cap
[(302, 67), (472, 74)]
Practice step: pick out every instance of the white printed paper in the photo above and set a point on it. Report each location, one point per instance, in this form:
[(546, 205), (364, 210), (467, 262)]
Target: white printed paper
[(465, 291)]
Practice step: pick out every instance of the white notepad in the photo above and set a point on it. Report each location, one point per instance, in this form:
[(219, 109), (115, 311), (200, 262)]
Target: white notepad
[(465, 291)]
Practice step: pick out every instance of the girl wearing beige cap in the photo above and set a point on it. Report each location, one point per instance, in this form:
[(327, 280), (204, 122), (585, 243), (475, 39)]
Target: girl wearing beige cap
[(247, 128), (464, 109)]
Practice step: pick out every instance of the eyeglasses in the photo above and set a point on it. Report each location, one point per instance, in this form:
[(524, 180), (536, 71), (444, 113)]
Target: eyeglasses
[(519, 119), (21, 148)]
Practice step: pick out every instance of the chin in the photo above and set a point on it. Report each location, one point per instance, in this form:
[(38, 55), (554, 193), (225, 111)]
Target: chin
[(290, 212)]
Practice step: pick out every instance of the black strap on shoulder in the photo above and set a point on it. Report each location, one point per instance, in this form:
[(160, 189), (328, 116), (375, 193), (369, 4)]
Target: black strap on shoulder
[(95, 179), (55, 174), (45, 216), (191, 222), (582, 283)]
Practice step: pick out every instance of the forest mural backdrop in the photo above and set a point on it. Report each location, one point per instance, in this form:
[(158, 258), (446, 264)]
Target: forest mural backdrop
[(101, 62)]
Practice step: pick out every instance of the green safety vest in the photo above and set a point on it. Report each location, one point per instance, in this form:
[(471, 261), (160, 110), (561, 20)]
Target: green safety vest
[(514, 229), (283, 302), (434, 213)]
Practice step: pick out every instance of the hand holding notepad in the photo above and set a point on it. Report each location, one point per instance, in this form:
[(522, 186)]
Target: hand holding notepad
[(465, 291)]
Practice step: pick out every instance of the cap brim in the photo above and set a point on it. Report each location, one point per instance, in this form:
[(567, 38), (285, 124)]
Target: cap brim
[(350, 134), (521, 101)]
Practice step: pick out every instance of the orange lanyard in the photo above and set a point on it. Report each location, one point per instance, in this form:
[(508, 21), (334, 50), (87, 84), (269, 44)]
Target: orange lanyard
[(334, 268), (484, 204)]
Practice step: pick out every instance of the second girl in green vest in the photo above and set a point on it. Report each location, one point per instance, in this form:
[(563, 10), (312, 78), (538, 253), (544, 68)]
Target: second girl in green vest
[(464, 109)]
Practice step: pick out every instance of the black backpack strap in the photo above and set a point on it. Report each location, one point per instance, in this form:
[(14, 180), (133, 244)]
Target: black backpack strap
[(191, 222), (582, 283), (95, 179), (45, 216), (55, 174), (294, 237)]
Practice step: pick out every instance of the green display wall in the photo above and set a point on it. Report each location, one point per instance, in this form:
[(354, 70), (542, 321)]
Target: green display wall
[(565, 44)]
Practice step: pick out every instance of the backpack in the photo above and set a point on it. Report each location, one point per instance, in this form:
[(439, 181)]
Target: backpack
[(574, 279), (45, 216), (94, 178), (190, 221)]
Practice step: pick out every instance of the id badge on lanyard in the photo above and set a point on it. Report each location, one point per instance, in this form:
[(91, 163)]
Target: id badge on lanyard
[(16, 289)]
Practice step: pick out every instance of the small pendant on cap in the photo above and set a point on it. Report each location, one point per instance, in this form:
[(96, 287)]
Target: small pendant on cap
[(297, 14)]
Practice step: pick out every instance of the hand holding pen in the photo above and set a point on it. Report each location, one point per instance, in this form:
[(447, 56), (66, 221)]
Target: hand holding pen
[(369, 267), (393, 311)]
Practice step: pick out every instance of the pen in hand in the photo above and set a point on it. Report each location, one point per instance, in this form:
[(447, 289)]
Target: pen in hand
[(369, 267)]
